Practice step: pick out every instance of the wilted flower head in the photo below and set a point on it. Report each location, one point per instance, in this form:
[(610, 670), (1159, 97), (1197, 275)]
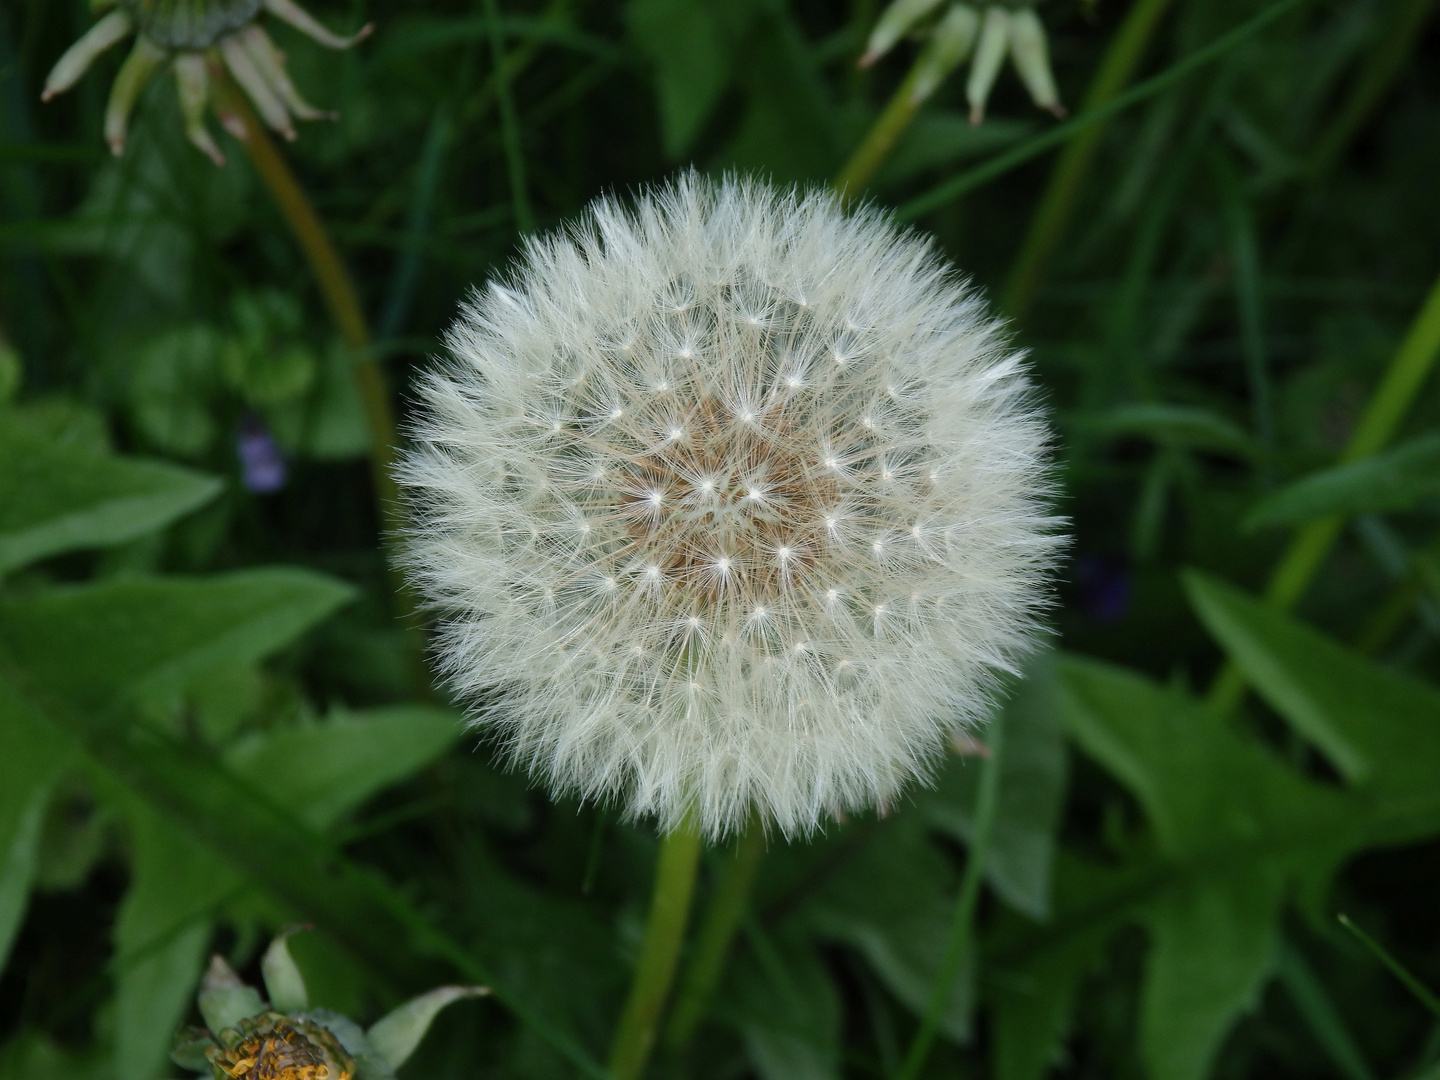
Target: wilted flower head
[(194, 34), (247, 1038), (733, 503), (991, 31)]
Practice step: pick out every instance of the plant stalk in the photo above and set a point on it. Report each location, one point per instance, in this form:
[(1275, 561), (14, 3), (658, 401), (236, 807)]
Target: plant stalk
[(850, 181), (717, 932), (987, 801), (343, 303), (1409, 368), (1052, 216), (664, 933)]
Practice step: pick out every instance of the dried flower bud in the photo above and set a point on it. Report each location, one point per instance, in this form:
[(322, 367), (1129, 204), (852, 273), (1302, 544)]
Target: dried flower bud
[(246, 1039), (1005, 27), (192, 35)]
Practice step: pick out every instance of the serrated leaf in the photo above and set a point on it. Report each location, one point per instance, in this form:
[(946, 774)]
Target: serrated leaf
[(131, 638), (56, 497), (1234, 826), (323, 770), (1394, 480), (31, 759), (1211, 949), (161, 933), (787, 1010), (1379, 728), (1032, 788), (894, 902)]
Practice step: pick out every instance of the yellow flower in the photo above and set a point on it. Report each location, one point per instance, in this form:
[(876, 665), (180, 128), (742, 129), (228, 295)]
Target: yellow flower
[(196, 37)]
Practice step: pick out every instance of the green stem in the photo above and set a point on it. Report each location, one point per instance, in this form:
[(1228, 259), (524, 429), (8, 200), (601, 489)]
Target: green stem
[(1423, 993), (1409, 368), (1052, 216), (714, 938), (880, 139), (1407, 20), (664, 932), (509, 125), (986, 802), (343, 303)]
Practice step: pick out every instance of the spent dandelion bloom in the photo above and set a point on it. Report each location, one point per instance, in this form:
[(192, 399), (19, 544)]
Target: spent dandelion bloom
[(983, 34), (249, 1038), (196, 38), (732, 503)]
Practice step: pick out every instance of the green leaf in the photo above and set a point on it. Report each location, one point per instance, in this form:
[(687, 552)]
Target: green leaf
[(1032, 990), (1184, 425), (894, 903), (691, 55), (787, 1010), (1032, 789), (56, 498), (161, 932), (320, 772), (1233, 827), (323, 770), (137, 638), (1212, 947), (1394, 480), (1380, 729), (31, 759)]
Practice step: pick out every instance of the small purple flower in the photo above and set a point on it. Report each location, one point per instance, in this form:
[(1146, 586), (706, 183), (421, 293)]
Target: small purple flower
[(1103, 582), (261, 463)]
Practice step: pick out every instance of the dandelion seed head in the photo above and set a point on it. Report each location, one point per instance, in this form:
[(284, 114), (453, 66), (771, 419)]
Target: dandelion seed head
[(704, 591)]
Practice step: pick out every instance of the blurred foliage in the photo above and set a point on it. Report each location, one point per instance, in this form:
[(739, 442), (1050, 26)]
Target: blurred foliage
[(207, 728)]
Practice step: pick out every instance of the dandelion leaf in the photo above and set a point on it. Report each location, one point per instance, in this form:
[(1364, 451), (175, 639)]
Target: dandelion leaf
[(327, 769), (687, 45), (787, 1011), (1380, 729), (161, 934), (893, 902), (32, 757), (1032, 789), (1394, 480), (1233, 827), (1033, 997), (57, 497), (131, 639)]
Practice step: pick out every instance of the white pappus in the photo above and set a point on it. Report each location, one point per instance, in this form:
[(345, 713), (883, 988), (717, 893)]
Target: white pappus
[(732, 503)]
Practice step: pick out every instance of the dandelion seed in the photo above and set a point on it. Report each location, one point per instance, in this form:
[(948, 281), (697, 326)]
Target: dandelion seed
[(760, 657)]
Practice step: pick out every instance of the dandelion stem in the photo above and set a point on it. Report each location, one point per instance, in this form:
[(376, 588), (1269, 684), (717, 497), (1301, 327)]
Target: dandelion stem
[(341, 300), (1053, 213), (509, 125), (1407, 19), (987, 800), (1409, 368), (664, 932), (723, 915), (880, 139)]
